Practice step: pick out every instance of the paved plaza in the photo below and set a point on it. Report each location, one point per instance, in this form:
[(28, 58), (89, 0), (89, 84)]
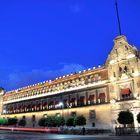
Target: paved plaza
[(42, 136)]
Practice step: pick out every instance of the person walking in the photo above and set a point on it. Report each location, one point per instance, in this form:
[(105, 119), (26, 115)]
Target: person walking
[(83, 130)]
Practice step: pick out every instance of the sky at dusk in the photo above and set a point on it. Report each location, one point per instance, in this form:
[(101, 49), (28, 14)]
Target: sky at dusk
[(44, 39)]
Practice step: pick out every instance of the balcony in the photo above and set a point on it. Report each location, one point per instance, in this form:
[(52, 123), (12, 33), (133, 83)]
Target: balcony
[(53, 107)]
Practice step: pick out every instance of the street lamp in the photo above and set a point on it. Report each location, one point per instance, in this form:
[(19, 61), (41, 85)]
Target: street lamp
[(61, 104)]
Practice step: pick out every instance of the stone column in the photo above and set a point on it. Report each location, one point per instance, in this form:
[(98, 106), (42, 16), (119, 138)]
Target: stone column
[(96, 96), (135, 118), (2, 91), (77, 98), (69, 99), (86, 95)]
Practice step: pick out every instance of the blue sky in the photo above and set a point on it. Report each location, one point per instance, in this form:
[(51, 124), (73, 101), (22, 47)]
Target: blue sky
[(42, 39)]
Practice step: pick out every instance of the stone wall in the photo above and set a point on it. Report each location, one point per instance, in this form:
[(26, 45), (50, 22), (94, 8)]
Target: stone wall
[(102, 118)]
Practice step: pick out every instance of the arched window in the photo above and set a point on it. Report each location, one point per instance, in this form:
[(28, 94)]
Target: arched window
[(125, 69), (51, 105), (126, 47), (81, 100), (44, 105), (91, 99), (102, 98), (120, 69), (126, 93), (72, 102), (66, 103)]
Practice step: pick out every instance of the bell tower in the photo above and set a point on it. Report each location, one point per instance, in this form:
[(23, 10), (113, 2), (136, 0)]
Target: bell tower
[(123, 65)]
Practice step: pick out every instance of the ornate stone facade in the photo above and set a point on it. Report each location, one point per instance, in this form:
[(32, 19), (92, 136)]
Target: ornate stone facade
[(99, 93)]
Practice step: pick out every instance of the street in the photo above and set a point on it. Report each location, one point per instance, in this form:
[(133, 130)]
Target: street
[(42, 136)]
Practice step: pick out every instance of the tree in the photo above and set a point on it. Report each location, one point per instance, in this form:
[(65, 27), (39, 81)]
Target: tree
[(51, 121), (3, 121), (70, 121), (22, 122), (60, 120), (125, 117), (42, 122), (80, 120), (138, 118), (12, 121)]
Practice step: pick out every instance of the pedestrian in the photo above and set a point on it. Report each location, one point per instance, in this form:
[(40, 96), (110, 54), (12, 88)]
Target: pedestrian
[(83, 130), (116, 130)]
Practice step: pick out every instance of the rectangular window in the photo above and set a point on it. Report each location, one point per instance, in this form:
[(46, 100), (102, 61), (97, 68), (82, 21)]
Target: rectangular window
[(114, 74), (23, 117), (73, 114), (92, 114)]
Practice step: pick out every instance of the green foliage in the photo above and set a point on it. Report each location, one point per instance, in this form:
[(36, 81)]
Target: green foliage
[(12, 121), (125, 117), (57, 121), (60, 121), (51, 121), (42, 122), (138, 118), (3, 121), (22, 122), (80, 120), (70, 121)]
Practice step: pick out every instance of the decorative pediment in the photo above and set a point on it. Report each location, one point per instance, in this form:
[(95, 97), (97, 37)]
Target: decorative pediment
[(121, 51)]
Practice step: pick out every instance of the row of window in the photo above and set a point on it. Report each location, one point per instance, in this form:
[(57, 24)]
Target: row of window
[(126, 93), (57, 87), (123, 70), (49, 104), (40, 106)]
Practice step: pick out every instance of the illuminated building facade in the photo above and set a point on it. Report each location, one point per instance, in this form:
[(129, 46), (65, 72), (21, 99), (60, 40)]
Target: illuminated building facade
[(98, 93)]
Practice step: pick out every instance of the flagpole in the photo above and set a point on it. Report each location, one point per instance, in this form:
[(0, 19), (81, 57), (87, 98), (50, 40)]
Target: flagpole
[(117, 12)]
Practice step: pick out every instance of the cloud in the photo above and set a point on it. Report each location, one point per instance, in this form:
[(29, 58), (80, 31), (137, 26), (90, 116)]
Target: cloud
[(21, 79)]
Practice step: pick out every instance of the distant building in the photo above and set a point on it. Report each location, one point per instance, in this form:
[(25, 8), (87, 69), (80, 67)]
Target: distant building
[(99, 93)]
